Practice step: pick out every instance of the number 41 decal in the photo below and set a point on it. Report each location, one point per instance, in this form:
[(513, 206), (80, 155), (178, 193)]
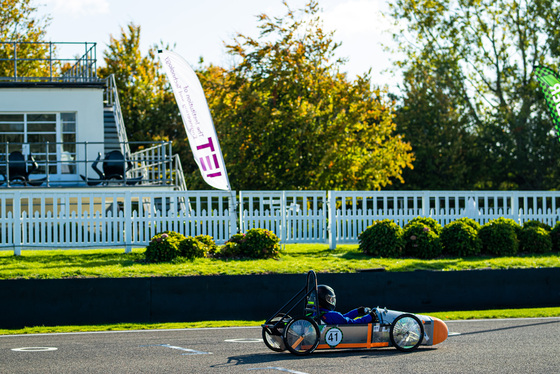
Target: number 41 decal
[(333, 337)]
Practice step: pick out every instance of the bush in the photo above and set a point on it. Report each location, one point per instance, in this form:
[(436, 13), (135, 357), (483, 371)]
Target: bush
[(535, 239), (471, 222), (458, 238), (191, 248), (163, 247), (535, 223), (228, 250), (421, 241), (261, 243), (516, 226), (499, 237), (426, 221), (256, 243), (208, 243), (555, 237), (233, 247), (382, 239)]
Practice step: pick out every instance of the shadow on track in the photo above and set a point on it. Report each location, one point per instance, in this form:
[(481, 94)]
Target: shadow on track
[(267, 358), (509, 328)]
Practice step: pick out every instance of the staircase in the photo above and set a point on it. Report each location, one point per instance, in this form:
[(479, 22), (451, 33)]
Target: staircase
[(111, 137), (113, 123)]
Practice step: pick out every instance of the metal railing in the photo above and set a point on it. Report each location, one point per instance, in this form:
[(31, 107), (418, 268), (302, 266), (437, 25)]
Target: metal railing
[(40, 62), (71, 165)]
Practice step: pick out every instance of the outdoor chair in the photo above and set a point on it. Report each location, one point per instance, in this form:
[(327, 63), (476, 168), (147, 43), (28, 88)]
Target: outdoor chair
[(19, 172), (114, 170)]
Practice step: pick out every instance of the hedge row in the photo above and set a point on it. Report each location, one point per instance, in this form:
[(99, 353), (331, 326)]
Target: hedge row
[(425, 238), (170, 245)]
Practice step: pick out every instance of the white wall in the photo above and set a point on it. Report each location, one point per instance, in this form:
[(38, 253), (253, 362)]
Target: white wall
[(86, 102)]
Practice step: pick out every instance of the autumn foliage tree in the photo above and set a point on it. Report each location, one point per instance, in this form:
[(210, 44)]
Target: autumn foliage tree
[(288, 118), (19, 23), (147, 102)]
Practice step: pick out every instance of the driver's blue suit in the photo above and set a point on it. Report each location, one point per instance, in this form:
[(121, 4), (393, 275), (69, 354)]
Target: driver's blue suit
[(330, 317)]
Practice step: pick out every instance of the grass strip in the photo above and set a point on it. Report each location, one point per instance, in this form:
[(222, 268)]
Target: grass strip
[(446, 316), (294, 259)]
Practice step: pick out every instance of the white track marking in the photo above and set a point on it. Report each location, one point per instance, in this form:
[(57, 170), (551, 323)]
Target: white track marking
[(34, 349)]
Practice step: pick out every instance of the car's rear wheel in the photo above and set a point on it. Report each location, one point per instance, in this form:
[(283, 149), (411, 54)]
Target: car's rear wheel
[(406, 332), (301, 336), (272, 337)]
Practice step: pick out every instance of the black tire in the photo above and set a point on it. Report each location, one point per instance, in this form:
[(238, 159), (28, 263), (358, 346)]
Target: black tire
[(274, 339), (407, 332), (301, 336)]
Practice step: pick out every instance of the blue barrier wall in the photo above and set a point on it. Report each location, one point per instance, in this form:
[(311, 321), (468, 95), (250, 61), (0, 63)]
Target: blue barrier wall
[(256, 297)]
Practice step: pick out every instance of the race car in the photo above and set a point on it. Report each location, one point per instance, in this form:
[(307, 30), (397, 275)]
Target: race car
[(305, 333)]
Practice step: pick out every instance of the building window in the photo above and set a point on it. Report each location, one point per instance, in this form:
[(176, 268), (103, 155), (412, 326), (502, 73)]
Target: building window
[(49, 137)]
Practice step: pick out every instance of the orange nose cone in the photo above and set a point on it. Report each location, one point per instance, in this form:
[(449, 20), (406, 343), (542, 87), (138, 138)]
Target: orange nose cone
[(440, 331)]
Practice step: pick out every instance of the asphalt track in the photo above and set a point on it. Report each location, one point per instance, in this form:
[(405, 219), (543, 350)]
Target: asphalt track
[(482, 346)]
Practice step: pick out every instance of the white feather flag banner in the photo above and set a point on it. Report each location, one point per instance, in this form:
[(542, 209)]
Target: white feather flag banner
[(197, 120)]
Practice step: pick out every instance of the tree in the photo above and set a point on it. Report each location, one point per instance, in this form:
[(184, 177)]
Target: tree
[(486, 51), (147, 102), (18, 23), (287, 117), (446, 151)]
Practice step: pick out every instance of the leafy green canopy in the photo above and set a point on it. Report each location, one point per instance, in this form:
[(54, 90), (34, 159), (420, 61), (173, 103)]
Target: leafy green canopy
[(287, 117), (19, 23), (470, 106), (147, 102)]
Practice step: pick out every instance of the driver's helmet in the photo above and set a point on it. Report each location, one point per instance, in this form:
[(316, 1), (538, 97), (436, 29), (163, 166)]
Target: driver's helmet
[(327, 297)]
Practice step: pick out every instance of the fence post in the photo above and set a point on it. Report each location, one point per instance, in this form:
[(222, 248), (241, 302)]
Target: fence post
[(232, 206), (283, 210), (425, 203), (240, 212), (127, 222), (515, 207), (331, 225), (17, 223)]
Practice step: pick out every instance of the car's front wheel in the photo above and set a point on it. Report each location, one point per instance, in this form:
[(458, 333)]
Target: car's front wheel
[(301, 336), (406, 332)]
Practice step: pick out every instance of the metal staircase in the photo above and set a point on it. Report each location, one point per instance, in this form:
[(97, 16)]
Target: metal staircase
[(113, 123), (111, 136)]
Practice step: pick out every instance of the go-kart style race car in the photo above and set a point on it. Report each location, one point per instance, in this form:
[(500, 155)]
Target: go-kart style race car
[(303, 334)]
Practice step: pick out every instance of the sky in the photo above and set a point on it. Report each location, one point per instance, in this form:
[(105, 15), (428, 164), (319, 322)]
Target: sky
[(199, 28)]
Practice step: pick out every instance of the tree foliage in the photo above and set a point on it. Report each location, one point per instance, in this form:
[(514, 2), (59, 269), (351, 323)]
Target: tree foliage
[(470, 87), (147, 102), (287, 117), (19, 23)]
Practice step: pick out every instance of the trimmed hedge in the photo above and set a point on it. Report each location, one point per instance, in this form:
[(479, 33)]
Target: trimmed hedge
[(535, 239), (421, 241), (424, 238), (555, 237), (170, 245), (255, 243), (191, 248), (163, 247), (458, 238), (426, 221), (382, 239), (499, 237)]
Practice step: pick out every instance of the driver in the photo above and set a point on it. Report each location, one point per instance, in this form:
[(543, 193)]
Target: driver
[(327, 304)]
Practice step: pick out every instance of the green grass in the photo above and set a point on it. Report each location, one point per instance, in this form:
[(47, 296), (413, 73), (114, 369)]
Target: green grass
[(295, 259), (114, 263), (446, 316)]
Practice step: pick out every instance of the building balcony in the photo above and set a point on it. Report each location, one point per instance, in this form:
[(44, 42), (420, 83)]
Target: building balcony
[(88, 164)]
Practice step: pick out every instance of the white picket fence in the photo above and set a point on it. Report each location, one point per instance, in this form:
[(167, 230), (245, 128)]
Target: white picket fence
[(128, 217)]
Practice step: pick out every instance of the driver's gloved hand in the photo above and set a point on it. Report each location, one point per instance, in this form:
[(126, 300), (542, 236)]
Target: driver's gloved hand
[(373, 315), (363, 310)]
